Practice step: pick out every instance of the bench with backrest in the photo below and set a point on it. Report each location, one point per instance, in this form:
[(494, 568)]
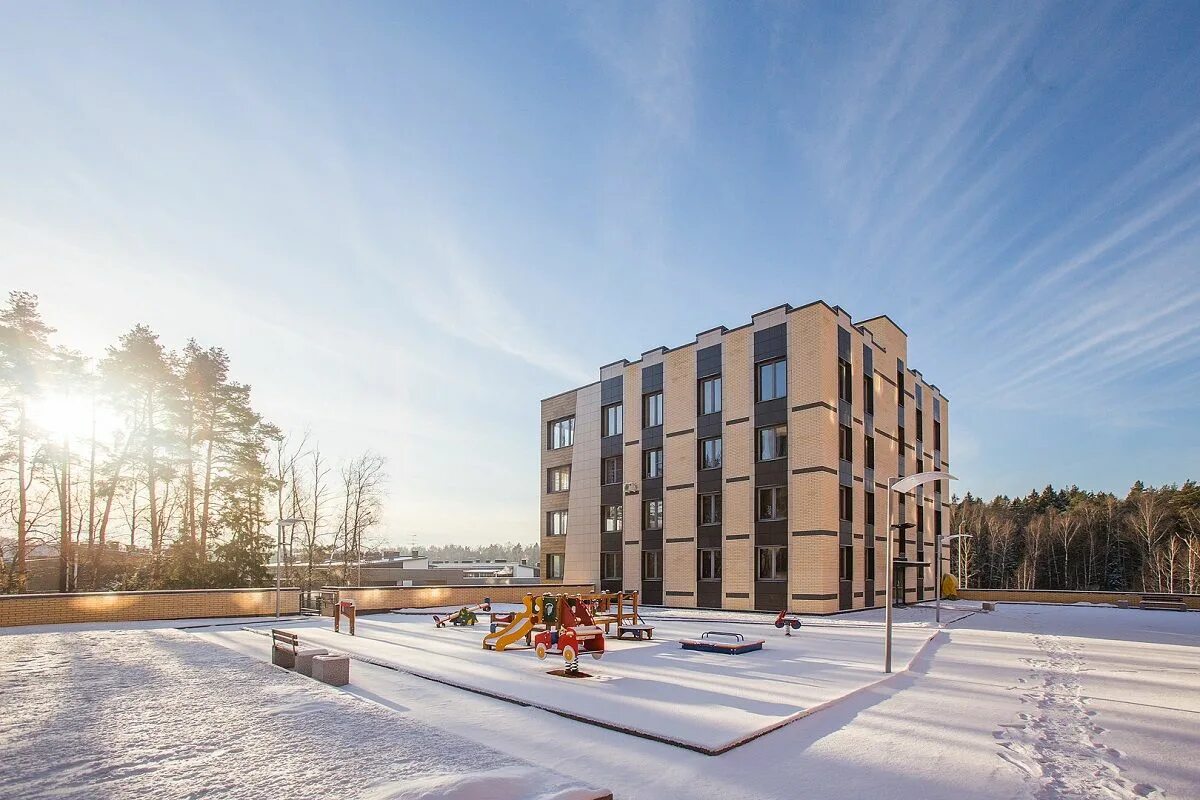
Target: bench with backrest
[(284, 645), (1162, 602)]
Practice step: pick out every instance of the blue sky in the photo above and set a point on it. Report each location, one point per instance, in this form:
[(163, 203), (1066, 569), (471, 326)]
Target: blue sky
[(408, 222)]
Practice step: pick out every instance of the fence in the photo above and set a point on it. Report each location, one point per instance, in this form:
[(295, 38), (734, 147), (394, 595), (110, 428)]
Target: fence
[(1065, 596), (384, 598), (56, 609)]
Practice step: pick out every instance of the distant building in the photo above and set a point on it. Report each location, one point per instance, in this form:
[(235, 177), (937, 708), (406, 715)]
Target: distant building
[(389, 568)]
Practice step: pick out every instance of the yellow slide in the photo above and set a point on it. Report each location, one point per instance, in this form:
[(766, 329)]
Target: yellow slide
[(513, 632)]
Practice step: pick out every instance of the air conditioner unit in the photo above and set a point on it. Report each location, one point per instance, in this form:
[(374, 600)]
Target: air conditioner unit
[(631, 488)]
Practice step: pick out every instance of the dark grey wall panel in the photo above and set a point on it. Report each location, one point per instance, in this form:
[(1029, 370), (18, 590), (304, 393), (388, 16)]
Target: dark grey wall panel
[(708, 594), (652, 378), (770, 343)]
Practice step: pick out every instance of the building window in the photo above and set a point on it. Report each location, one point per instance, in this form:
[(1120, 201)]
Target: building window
[(869, 563), (562, 433), (652, 565), (920, 425), (653, 515), (610, 566), (612, 518), (772, 380), (708, 566), (710, 395), (900, 438), (710, 509), (869, 508), (868, 394), (920, 518), (652, 410), (611, 470), (937, 522), (845, 443), (937, 435), (772, 503), (554, 566), (556, 523), (558, 479), (654, 463), (772, 442), (900, 388), (845, 390), (772, 563), (846, 564), (846, 503), (612, 420), (869, 452), (710, 453)]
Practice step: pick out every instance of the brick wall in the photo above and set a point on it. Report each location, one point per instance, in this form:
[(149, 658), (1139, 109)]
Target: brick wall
[(813, 449), (1050, 596), (679, 477), (56, 609), (385, 598)]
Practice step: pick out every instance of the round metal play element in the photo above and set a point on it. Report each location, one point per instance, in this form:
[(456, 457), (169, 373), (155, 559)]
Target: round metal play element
[(597, 654), (540, 650), (569, 653)]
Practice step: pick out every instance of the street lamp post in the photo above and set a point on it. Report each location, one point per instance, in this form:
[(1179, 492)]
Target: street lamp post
[(902, 486), (937, 614), (279, 557)]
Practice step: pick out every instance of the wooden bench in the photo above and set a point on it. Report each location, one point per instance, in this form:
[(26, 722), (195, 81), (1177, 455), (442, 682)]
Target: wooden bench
[(284, 645), (1162, 602), (635, 631)]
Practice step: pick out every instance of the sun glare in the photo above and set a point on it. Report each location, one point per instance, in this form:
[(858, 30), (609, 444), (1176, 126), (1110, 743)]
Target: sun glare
[(63, 416)]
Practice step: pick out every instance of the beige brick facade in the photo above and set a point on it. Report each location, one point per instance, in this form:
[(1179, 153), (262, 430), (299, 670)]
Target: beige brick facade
[(812, 338), (58, 609)]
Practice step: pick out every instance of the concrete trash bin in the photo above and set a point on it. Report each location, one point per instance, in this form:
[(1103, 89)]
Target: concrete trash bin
[(331, 669), (304, 659)]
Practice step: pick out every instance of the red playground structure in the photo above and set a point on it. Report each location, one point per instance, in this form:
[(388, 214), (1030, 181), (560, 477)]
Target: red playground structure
[(789, 622), (570, 630)]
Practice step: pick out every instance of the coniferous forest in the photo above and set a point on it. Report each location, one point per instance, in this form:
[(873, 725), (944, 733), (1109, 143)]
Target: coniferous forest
[(1072, 539), (150, 468)]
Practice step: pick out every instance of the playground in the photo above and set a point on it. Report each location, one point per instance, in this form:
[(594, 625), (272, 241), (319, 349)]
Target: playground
[(708, 700)]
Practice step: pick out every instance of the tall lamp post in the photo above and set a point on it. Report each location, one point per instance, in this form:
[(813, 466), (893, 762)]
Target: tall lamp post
[(279, 557), (901, 486), (937, 614)]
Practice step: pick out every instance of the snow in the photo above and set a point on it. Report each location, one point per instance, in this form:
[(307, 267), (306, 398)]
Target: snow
[(142, 625), (707, 701), (937, 732), (1032, 701), (164, 714)]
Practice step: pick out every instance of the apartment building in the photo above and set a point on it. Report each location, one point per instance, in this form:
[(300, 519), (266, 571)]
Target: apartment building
[(748, 469)]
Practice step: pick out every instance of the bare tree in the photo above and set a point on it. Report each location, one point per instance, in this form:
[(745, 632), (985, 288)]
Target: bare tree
[(362, 491)]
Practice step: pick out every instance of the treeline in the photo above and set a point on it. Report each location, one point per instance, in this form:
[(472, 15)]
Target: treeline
[(151, 468), (509, 551), (1149, 541)]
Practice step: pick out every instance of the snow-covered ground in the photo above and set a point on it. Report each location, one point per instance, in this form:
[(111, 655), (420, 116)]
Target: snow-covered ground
[(708, 701), (164, 714), (970, 720), (1028, 702)]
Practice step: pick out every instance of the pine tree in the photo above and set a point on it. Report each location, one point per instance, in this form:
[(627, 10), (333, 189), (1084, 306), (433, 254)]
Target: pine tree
[(25, 358)]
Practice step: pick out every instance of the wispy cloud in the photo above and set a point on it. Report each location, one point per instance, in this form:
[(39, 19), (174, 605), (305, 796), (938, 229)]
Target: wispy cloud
[(934, 147)]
